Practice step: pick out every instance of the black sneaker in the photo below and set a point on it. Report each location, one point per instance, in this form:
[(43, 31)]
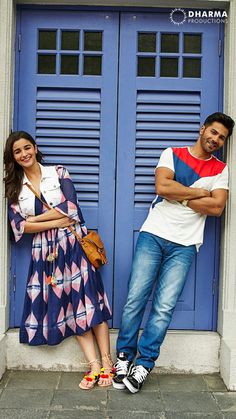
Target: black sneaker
[(136, 378), (122, 367)]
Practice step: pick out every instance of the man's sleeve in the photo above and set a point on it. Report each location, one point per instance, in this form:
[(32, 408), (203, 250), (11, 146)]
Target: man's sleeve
[(222, 180), (166, 159)]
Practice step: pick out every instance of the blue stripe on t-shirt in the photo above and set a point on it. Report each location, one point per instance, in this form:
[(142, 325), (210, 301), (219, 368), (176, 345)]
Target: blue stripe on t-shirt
[(157, 200), (183, 173)]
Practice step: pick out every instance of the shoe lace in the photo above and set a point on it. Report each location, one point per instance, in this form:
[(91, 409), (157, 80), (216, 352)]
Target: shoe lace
[(121, 366), (139, 373)]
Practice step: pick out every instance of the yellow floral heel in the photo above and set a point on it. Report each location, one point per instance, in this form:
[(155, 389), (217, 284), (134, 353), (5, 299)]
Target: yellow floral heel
[(90, 379), (106, 374)]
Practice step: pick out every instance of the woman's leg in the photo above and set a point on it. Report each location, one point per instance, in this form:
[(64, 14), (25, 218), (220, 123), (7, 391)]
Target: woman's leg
[(101, 332), (87, 344)]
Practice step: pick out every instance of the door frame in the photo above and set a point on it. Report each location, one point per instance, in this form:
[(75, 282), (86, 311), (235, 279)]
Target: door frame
[(122, 10)]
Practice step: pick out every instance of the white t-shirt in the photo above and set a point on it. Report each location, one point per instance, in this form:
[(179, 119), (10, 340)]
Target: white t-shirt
[(170, 219)]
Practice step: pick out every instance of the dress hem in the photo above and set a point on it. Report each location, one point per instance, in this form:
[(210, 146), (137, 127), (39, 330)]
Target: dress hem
[(23, 335)]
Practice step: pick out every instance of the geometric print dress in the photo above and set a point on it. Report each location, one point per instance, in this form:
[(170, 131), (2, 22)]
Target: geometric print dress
[(76, 302)]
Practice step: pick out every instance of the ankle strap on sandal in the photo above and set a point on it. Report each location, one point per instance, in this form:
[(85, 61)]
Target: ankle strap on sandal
[(107, 357), (90, 363)]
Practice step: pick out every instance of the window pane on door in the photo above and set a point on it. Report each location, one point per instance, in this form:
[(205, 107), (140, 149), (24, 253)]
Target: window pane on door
[(92, 65), (193, 43), (146, 42), (70, 40), (192, 67), (93, 41), (69, 64), (169, 67), (169, 42), (47, 63), (47, 39), (146, 66)]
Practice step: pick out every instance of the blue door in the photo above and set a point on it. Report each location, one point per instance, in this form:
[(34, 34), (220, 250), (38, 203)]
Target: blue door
[(66, 92), (109, 130), (169, 82)]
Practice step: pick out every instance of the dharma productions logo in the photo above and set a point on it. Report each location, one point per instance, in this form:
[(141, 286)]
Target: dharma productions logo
[(180, 16)]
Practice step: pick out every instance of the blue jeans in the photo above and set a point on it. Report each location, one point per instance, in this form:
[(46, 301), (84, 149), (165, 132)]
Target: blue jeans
[(163, 264)]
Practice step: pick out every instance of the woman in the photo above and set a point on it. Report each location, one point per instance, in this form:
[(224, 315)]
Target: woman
[(64, 293)]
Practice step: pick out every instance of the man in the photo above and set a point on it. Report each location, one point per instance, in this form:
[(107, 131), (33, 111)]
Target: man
[(191, 183)]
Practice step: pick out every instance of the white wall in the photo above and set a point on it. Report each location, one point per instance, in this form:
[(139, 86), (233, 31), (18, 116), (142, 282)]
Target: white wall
[(227, 300), (6, 101)]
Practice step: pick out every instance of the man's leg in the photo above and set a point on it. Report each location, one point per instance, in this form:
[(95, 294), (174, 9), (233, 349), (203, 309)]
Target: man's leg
[(173, 272), (175, 265), (144, 272)]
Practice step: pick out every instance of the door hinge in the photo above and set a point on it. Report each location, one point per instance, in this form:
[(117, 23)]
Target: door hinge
[(14, 283), (19, 42), (219, 47), (213, 286)]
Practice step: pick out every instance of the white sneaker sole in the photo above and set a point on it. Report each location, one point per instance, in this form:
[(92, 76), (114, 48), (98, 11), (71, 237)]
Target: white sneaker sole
[(118, 386), (129, 386)]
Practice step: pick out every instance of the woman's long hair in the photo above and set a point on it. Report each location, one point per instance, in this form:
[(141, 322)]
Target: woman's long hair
[(14, 172)]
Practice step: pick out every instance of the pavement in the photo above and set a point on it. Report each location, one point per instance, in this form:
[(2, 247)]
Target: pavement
[(56, 395)]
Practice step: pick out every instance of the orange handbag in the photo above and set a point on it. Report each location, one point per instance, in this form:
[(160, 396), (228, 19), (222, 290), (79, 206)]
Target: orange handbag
[(93, 247)]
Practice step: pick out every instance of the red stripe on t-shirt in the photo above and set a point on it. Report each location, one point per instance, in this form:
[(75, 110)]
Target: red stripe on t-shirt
[(203, 168)]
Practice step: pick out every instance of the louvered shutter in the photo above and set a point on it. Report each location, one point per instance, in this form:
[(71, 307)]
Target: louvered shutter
[(68, 133), (163, 119)]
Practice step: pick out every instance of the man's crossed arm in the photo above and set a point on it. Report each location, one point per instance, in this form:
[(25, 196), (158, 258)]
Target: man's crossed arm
[(199, 199)]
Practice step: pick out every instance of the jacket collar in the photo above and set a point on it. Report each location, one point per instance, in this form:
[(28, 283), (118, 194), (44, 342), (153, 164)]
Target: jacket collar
[(45, 170)]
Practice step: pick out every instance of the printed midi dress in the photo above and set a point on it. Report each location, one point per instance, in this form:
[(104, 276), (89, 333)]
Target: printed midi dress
[(77, 302)]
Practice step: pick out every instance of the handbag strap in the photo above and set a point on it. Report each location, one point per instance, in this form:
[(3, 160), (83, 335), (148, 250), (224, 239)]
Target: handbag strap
[(48, 207), (37, 195)]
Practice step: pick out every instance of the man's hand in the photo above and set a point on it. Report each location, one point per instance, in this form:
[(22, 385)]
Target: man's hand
[(203, 193), (210, 206), (168, 188)]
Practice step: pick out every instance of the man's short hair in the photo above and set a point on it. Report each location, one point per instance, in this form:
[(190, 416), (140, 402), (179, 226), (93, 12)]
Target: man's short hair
[(224, 119)]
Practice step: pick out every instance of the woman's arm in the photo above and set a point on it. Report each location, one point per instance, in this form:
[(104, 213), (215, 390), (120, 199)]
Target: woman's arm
[(49, 215), (37, 227), (69, 207)]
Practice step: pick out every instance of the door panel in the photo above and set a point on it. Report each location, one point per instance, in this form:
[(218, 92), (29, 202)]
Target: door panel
[(167, 92), (67, 93)]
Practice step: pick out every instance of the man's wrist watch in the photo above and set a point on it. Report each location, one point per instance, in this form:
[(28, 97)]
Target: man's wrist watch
[(185, 202)]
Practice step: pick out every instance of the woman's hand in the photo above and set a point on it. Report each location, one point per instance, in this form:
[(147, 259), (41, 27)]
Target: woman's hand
[(64, 222), (31, 219)]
